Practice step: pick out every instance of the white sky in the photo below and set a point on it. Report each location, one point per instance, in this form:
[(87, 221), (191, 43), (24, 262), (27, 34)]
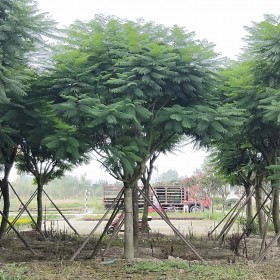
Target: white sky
[(219, 21)]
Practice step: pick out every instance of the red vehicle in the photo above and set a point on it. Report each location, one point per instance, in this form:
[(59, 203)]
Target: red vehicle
[(171, 197), (180, 197)]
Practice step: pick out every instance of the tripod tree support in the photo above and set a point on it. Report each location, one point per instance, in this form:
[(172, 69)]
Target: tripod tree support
[(227, 228), (179, 234), (117, 199), (58, 210), (25, 208), (229, 214), (18, 234), (115, 212), (21, 211)]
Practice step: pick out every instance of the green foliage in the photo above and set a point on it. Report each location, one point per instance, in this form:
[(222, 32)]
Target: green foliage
[(248, 226), (21, 31), (198, 271), (13, 272), (133, 88)]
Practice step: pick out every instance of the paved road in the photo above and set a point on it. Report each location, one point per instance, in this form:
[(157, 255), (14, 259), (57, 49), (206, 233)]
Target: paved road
[(197, 227)]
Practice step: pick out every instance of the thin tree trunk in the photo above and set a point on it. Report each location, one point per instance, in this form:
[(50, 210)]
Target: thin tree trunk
[(259, 200), (4, 184), (275, 208), (146, 179), (39, 205), (135, 198), (275, 211), (6, 207), (144, 226), (249, 206), (128, 224)]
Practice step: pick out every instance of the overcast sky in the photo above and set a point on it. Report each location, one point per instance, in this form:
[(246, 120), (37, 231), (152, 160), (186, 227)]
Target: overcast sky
[(219, 21)]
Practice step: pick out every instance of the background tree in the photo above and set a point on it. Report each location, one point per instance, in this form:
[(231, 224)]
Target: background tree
[(252, 84), (22, 30), (169, 176), (45, 164), (213, 184)]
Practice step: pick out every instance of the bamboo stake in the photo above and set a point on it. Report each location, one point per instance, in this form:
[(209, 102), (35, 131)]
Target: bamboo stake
[(254, 217), (267, 222), (115, 212), (115, 232), (97, 225), (65, 219), (172, 226), (271, 243), (21, 211), (225, 231), (25, 208), (230, 213), (18, 234)]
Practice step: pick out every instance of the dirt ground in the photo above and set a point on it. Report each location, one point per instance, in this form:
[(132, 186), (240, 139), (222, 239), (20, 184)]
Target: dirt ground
[(185, 226), (52, 257)]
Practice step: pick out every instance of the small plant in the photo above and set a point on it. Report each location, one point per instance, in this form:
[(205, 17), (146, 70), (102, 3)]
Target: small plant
[(13, 272), (248, 226)]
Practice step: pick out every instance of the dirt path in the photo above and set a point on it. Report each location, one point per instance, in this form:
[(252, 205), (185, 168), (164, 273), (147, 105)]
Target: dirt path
[(196, 227)]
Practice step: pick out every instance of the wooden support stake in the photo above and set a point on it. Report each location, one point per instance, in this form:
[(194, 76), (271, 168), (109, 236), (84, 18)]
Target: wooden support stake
[(267, 223), (115, 212), (179, 234), (65, 219), (225, 231), (21, 211), (17, 233), (97, 225), (230, 213), (25, 208)]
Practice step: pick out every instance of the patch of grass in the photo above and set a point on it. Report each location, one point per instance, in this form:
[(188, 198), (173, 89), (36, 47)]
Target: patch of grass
[(192, 271), (13, 272)]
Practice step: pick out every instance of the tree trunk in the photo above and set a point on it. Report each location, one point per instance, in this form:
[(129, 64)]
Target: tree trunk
[(249, 206), (39, 204), (145, 226), (6, 207), (128, 224), (135, 217), (259, 200), (275, 210), (4, 184)]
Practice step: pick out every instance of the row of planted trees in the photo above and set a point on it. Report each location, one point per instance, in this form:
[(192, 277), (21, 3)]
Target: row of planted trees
[(125, 91)]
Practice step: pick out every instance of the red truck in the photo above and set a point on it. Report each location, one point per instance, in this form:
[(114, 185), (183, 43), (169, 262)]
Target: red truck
[(177, 197), (180, 197)]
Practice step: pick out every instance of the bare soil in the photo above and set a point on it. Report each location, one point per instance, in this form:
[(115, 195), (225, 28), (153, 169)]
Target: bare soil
[(52, 257)]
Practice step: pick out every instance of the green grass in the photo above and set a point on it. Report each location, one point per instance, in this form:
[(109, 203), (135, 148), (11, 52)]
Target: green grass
[(13, 272), (192, 271), (94, 203)]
